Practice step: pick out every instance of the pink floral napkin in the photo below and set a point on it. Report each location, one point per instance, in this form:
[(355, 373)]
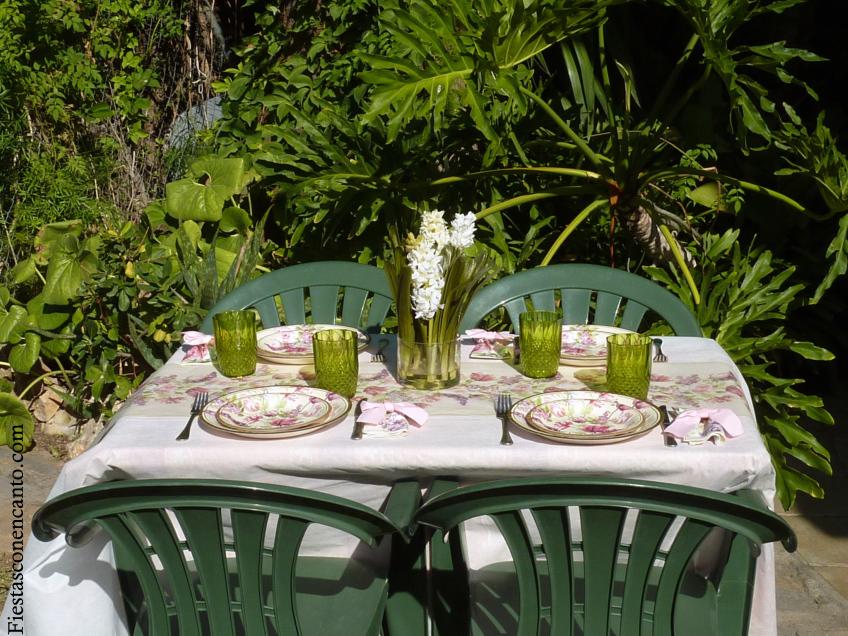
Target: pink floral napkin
[(490, 344), (697, 426), (196, 346), (389, 419)]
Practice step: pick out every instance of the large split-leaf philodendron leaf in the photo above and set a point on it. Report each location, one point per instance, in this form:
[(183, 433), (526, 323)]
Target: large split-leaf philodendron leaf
[(202, 195), (16, 423)]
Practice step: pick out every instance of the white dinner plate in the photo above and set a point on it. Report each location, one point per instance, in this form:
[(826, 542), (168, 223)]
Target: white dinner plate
[(650, 414), (585, 418), (292, 344), (267, 427), (586, 345)]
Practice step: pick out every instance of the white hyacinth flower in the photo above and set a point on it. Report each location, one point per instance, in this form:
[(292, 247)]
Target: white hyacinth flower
[(428, 279), (434, 229), (462, 230)]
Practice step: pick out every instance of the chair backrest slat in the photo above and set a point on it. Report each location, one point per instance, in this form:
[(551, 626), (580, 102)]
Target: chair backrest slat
[(517, 540), (543, 301), (248, 541), (575, 306), (286, 545), (601, 530), (556, 540), (294, 307), (156, 528), (205, 534), (633, 315), (269, 315), (650, 529), (688, 538), (323, 303), (130, 555), (606, 308)]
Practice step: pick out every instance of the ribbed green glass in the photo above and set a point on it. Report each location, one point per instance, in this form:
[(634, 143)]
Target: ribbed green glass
[(629, 364), (336, 360), (540, 343), (235, 342)]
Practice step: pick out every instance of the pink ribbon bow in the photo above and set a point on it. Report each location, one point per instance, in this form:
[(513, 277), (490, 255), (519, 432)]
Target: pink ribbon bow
[(687, 420), (198, 345), (376, 412), (487, 340)]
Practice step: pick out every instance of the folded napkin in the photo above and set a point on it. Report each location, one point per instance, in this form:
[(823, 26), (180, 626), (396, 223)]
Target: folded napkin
[(490, 344), (196, 346), (697, 426), (389, 419)]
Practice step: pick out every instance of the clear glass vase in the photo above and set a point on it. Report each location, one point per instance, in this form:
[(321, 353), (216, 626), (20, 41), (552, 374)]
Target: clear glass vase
[(428, 365)]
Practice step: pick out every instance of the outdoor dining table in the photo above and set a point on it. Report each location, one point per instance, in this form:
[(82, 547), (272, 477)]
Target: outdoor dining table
[(74, 591)]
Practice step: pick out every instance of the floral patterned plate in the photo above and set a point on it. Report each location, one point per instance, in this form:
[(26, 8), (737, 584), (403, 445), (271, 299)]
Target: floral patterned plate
[(292, 344), (584, 418), (586, 345), (280, 411), (650, 417)]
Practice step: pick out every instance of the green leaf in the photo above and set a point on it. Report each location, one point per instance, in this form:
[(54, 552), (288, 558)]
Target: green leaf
[(23, 271), (235, 219), (838, 251), (16, 423), (12, 324), (66, 271), (51, 235), (23, 355), (202, 198), (811, 351)]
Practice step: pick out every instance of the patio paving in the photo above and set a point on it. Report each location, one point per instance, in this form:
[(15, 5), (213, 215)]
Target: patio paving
[(812, 583)]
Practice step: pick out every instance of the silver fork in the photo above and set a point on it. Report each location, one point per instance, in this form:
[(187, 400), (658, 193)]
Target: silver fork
[(200, 401), (503, 403), (379, 357), (659, 356)]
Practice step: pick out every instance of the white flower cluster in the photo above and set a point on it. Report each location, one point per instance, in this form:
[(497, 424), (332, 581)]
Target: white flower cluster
[(426, 257)]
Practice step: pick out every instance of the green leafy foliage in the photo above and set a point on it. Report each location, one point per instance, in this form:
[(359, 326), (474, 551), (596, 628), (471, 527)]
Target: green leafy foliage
[(102, 307), (746, 300), (16, 423)]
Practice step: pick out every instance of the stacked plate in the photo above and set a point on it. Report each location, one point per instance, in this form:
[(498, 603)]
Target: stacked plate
[(292, 344), (586, 345), (274, 412), (585, 417)]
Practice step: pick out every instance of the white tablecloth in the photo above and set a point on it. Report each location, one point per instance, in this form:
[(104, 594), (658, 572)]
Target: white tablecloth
[(73, 591)]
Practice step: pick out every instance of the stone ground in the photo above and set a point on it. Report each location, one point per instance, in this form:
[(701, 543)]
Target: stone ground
[(812, 583)]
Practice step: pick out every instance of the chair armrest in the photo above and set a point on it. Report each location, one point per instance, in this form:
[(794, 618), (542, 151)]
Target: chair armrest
[(755, 499)]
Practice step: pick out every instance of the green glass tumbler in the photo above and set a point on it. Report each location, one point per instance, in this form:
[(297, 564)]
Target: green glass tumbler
[(629, 364), (540, 343), (235, 342), (336, 360)]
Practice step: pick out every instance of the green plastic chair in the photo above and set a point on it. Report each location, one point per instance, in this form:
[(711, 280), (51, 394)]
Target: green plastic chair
[(590, 294), (193, 585), (576, 571), (365, 296)]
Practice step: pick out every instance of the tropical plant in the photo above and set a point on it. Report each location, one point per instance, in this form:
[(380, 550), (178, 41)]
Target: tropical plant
[(747, 297), (554, 118), (100, 309)]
